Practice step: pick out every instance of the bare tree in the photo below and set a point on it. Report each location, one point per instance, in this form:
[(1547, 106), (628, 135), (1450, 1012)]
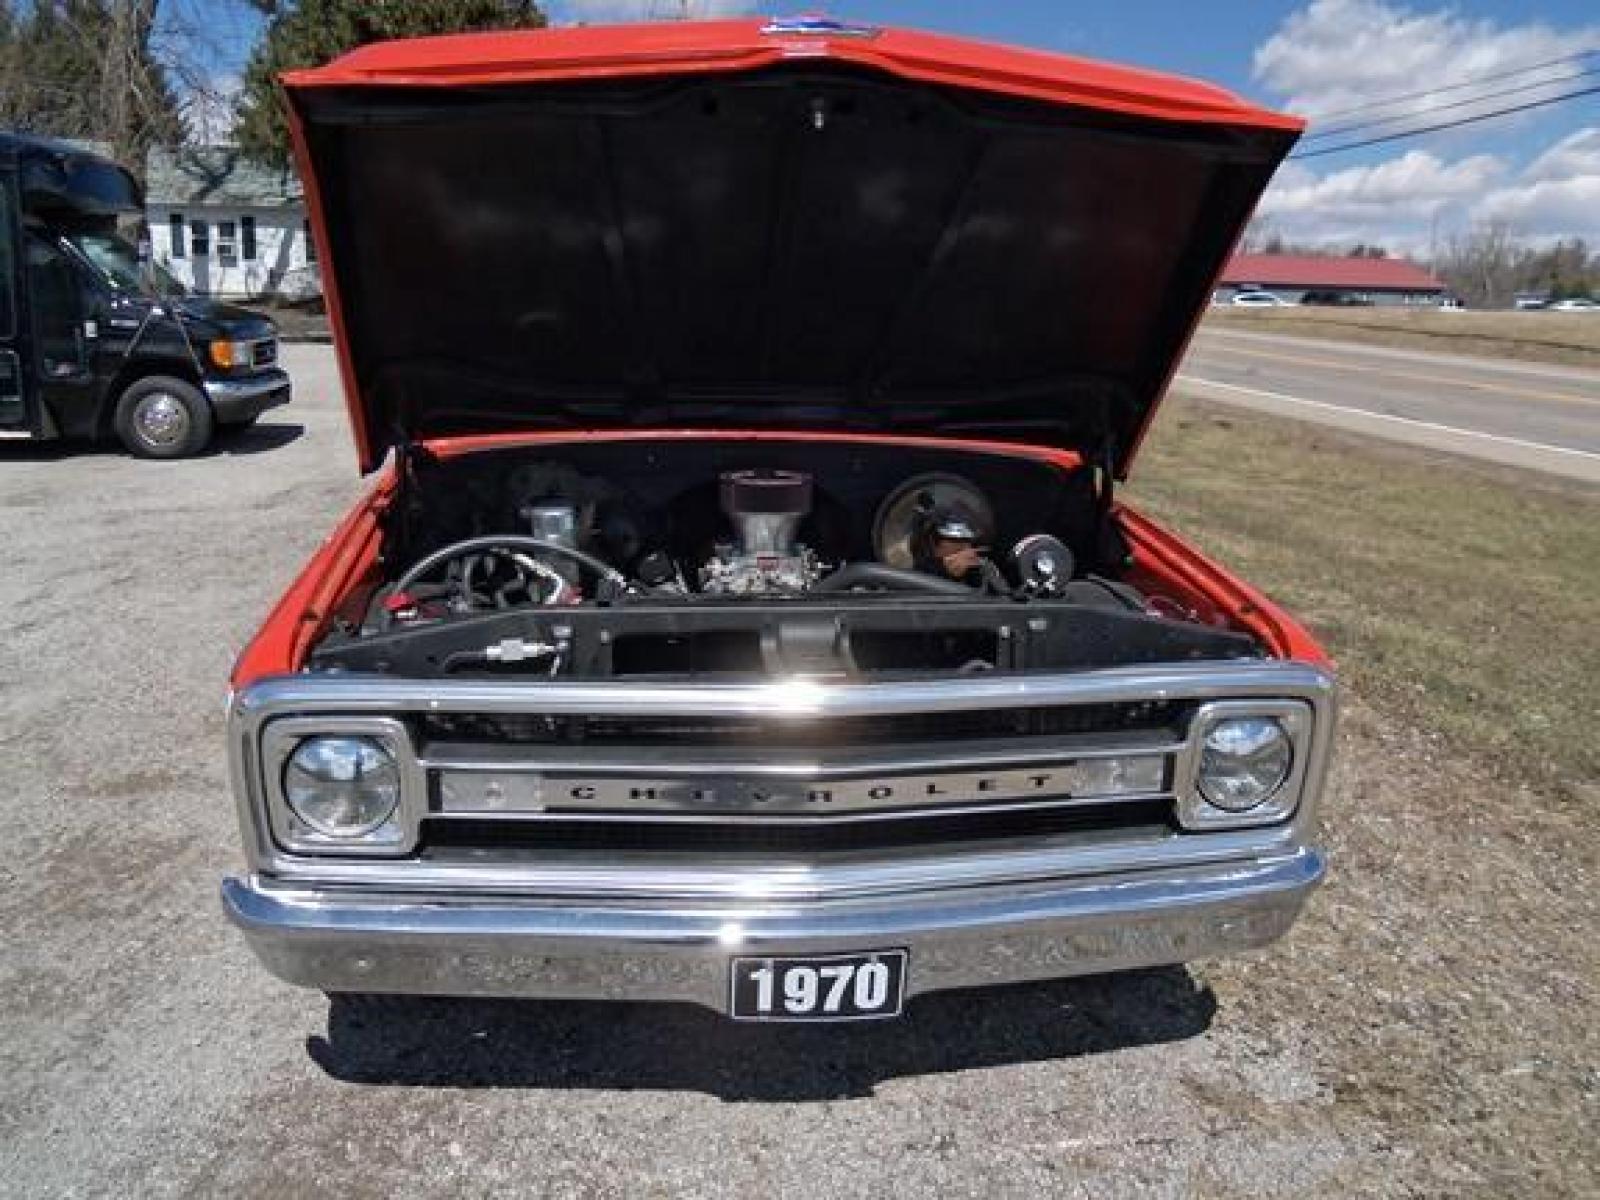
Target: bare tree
[(84, 69), (1481, 265), (1260, 234)]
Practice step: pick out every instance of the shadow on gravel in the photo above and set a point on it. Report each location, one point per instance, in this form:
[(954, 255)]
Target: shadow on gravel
[(55, 451), (252, 439), (426, 1041), (255, 439)]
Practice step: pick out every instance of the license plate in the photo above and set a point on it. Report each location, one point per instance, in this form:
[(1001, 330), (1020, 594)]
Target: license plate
[(832, 987)]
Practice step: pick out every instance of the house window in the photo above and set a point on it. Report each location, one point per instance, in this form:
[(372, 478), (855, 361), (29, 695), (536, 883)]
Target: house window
[(247, 238), (175, 235), (199, 239), (311, 242), (227, 240)]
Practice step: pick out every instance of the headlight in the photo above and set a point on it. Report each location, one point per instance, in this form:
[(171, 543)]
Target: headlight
[(1243, 762), (342, 787), (231, 354)]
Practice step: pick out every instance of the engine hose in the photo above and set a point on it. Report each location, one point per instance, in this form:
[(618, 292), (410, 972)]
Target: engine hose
[(894, 579), (508, 541)]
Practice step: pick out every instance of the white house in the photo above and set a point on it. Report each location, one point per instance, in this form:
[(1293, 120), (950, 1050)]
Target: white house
[(228, 226)]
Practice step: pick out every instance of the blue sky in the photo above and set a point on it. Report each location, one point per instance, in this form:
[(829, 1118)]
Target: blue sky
[(1539, 171)]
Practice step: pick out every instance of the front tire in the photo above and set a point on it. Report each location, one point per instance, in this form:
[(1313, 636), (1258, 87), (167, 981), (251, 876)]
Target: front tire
[(163, 417)]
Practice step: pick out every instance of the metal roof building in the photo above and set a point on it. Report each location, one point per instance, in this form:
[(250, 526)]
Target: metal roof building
[(1331, 279)]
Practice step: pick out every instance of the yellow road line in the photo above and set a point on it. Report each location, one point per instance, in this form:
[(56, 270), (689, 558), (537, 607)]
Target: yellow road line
[(1421, 376)]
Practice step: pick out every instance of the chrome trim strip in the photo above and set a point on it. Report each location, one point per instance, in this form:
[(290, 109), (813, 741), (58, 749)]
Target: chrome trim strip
[(536, 782), (848, 762), (733, 817), (796, 699), (790, 877)]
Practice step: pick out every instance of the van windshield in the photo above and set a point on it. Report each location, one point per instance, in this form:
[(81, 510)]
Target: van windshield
[(118, 264)]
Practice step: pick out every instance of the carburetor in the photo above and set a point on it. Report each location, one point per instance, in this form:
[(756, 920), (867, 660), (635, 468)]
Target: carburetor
[(765, 508)]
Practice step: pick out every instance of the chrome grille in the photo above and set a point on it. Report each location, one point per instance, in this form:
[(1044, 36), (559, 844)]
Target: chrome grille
[(761, 784), (631, 857)]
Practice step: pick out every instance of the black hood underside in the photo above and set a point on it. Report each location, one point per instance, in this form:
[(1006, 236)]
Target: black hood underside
[(804, 247)]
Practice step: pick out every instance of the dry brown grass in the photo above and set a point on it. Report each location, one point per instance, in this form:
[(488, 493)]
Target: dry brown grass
[(1459, 599), (1571, 339), (1449, 966)]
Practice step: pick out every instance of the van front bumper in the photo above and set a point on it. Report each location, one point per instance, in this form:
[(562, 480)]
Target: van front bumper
[(237, 400), (353, 940)]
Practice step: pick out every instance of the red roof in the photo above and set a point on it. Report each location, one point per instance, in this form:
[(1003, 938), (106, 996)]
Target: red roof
[(1329, 271)]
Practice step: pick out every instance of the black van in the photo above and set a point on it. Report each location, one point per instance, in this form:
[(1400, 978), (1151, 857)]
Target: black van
[(94, 342)]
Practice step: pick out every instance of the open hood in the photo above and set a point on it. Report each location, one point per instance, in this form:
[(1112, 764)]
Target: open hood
[(793, 227)]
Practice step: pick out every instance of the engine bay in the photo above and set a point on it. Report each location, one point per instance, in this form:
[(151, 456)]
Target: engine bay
[(731, 558)]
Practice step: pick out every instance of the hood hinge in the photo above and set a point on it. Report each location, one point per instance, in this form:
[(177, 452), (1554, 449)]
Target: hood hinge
[(409, 456), (1105, 459), (1112, 546)]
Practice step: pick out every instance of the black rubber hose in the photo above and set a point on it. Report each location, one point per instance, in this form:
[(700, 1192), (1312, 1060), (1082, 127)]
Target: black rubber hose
[(508, 541), (881, 575)]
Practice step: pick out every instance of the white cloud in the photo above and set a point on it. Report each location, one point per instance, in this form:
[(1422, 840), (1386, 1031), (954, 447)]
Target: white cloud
[(597, 11), (1408, 201), (1558, 194), (1571, 158), (1417, 182), (1401, 202), (1335, 55)]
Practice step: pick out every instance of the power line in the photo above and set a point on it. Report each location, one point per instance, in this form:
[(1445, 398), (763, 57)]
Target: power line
[(1455, 87), (1318, 152), (1470, 101)]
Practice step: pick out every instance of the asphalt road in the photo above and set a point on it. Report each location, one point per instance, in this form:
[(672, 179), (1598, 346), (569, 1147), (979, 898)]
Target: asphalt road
[(1401, 1042), (1520, 414)]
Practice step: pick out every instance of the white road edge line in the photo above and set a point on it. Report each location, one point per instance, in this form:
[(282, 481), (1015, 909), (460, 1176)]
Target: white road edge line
[(1441, 357), (1368, 414)]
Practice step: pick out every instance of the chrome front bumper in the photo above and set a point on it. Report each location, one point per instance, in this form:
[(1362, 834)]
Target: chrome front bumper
[(359, 940), (235, 400)]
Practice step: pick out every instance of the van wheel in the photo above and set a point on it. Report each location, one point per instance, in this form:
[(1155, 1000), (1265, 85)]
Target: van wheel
[(162, 417)]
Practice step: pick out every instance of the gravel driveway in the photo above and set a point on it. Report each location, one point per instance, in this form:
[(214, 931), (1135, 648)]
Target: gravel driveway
[(1429, 1029)]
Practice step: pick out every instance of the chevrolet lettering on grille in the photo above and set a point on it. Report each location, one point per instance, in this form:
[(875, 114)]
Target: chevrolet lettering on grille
[(466, 791)]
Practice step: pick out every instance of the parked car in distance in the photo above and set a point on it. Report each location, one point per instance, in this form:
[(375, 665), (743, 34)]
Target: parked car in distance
[(1334, 299), (95, 343), (1259, 300), (743, 611), (1577, 304)]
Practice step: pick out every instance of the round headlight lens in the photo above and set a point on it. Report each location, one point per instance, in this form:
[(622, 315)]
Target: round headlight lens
[(1243, 762), (342, 787)]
